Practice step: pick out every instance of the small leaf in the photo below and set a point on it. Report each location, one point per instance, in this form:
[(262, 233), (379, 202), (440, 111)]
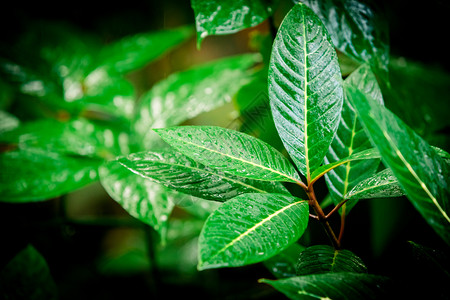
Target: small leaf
[(219, 17), (422, 173), (186, 94), (363, 155), (305, 88), (133, 52), (230, 151), (382, 184), (31, 175), (323, 259), (251, 228), (27, 276), (185, 175), (343, 286), (143, 199)]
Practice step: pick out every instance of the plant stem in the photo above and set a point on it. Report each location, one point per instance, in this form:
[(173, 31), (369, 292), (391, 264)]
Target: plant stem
[(336, 208), (341, 231), (322, 218)]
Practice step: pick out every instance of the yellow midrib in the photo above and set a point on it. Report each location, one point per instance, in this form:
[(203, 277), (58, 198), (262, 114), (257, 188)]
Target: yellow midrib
[(305, 108)]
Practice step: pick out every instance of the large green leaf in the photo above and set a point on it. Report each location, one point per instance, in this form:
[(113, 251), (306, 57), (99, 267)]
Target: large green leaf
[(358, 29), (422, 173), (186, 94), (141, 198), (32, 174), (251, 228), (382, 184), (342, 286), (323, 259), (218, 17), (185, 175), (133, 52), (350, 137), (27, 276), (230, 151), (305, 88)]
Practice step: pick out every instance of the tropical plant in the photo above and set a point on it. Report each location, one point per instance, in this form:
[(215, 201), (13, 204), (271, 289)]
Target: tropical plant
[(327, 73)]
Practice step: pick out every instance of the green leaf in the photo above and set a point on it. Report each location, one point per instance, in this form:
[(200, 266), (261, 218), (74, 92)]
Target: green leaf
[(305, 88), (323, 259), (283, 264), (251, 228), (230, 151), (344, 286), (27, 276), (143, 199), (363, 155), (382, 184), (358, 29), (185, 175), (422, 173), (31, 175), (186, 94), (78, 136), (133, 52), (219, 17), (350, 137)]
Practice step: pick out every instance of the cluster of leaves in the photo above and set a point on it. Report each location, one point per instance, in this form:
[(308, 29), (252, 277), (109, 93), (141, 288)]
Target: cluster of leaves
[(330, 127)]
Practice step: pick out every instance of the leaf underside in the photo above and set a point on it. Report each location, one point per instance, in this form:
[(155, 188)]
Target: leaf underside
[(343, 286), (323, 259), (181, 173), (305, 88)]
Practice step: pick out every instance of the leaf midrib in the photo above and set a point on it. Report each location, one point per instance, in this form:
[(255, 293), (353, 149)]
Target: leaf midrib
[(242, 160), (416, 177), (305, 93)]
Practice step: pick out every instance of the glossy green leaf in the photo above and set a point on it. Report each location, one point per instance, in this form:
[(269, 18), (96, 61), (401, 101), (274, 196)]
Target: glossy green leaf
[(323, 259), (141, 198), (358, 29), (342, 286), (31, 175), (382, 184), (305, 88), (181, 173), (218, 17), (422, 173), (230, 151), (27, 276), (251, 228), (283, 264), (78, 136), (350, 137), (186, 94), (133, 52), (367, 154)]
